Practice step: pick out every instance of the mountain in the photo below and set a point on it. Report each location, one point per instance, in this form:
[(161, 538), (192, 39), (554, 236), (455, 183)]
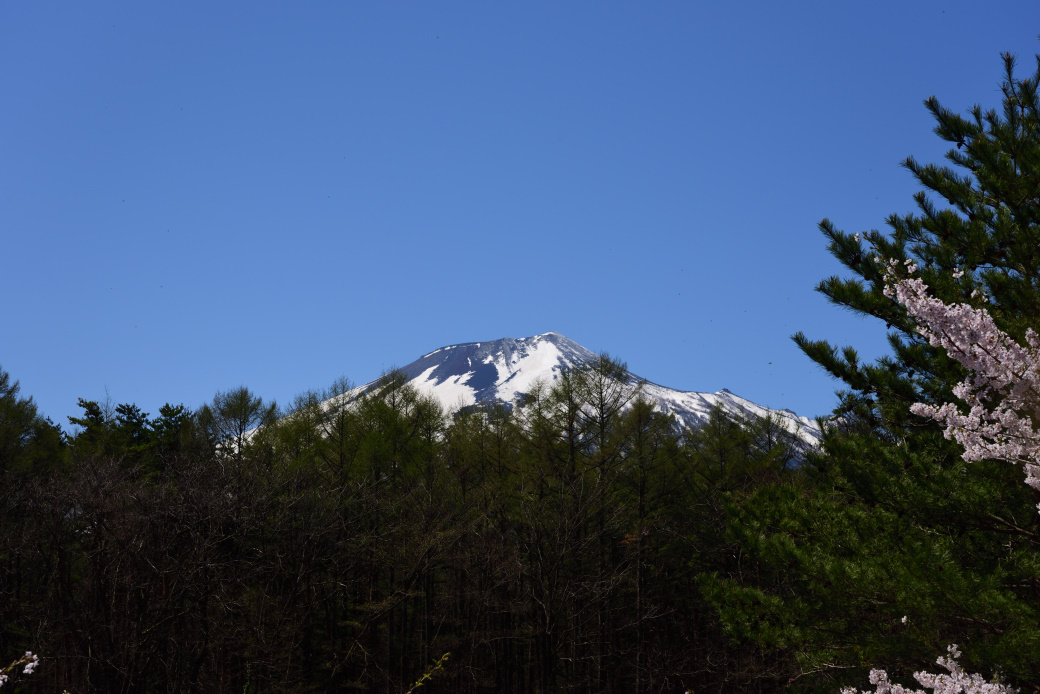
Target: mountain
[(479, 372)]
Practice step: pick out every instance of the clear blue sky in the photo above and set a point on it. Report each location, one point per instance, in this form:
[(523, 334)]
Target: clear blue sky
[(196, 196)]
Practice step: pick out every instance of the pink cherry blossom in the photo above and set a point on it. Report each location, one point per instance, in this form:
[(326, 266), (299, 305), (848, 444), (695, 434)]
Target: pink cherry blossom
[(954, 681), (1002, 389)]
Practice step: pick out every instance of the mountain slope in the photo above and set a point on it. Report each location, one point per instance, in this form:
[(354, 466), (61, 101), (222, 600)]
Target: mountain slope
[(500, 370)]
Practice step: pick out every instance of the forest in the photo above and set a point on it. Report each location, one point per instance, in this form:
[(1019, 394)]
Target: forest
[(579, 540)]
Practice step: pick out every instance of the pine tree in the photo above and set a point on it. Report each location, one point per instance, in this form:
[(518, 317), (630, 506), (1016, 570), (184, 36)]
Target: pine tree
[(26, 437), (888, 520)]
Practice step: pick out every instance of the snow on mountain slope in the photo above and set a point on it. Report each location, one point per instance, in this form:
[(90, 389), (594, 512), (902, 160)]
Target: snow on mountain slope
[(478, 372)]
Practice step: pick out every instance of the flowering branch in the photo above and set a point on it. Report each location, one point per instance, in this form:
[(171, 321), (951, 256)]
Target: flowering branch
[(956, 682), (1002, 390), (29, 661)]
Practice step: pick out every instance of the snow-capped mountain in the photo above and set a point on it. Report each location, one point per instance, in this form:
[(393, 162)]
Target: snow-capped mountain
[(479, 372)]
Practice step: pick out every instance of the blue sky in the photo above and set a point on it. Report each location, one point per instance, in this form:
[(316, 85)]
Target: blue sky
[(197, 196)]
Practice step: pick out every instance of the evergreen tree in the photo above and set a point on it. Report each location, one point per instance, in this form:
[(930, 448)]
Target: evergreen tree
[(888, 520), (171, 428), (26, 437)]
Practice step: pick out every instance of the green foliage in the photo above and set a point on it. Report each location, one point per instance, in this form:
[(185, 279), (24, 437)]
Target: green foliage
[(27, 439), (887, 521)]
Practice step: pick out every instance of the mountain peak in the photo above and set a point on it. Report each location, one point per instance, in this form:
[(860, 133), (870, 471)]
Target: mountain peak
[(501, 370)]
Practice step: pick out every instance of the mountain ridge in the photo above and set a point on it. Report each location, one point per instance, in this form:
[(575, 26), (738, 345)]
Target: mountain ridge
[(502, 370)]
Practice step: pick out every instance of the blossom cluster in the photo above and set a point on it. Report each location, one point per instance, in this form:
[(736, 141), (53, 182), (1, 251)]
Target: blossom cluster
[(957, 681), (1002, 389), (30, 660)]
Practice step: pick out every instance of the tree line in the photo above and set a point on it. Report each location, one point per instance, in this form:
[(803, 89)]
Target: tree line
[(347, 543)]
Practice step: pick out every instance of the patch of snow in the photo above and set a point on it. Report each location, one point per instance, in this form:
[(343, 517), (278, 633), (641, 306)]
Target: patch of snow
[(534, 365), (452, 393)]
